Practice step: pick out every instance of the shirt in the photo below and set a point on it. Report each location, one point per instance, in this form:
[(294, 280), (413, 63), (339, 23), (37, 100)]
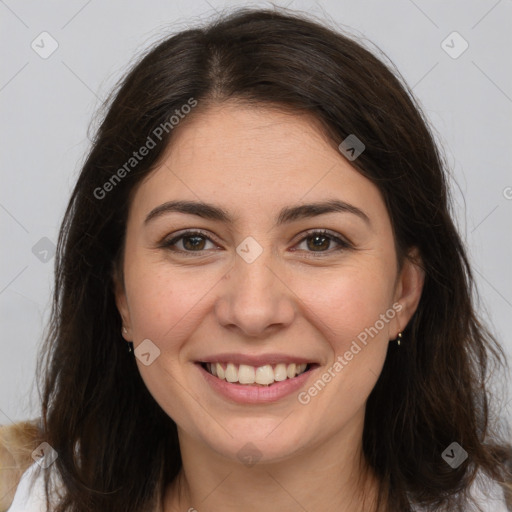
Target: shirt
[(31, 498)]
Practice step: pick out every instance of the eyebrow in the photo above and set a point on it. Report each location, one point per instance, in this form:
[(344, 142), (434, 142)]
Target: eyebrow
[(286, 215)]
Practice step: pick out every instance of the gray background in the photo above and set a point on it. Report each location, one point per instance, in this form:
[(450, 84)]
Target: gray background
[(47, 106)]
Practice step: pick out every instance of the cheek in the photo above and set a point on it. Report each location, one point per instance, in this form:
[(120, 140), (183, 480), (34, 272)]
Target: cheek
[(348, 312), (165, 304), (348, 302)]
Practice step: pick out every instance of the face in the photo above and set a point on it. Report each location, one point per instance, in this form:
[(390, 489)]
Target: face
[(260, 281)]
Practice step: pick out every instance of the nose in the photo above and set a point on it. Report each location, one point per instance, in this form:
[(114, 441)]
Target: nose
[(256, 299)]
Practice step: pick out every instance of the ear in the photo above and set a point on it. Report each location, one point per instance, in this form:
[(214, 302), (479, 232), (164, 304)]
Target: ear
[(409, 287), (121, 301)]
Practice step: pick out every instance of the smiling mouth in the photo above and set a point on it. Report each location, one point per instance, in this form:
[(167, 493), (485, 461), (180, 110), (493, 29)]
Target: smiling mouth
[(265, 375)]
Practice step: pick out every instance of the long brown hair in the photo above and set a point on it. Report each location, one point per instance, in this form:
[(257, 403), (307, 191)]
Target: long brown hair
[(432, 390)]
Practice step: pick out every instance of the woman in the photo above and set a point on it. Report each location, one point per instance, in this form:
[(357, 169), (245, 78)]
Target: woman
[(264, 219)]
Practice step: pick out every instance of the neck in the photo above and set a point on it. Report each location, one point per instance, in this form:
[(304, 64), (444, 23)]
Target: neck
[(329, 476)]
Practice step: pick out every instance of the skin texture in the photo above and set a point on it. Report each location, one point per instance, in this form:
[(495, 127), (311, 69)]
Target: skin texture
[(293, 299)]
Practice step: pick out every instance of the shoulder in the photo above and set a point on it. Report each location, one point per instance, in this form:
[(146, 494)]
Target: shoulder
[(17, 442), (30, 495), (489, 494)]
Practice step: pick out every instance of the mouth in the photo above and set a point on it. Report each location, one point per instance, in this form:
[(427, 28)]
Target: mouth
[(267, 375)]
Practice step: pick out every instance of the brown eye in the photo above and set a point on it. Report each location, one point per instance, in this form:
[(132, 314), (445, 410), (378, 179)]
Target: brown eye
[(191, 241), (320, 242)]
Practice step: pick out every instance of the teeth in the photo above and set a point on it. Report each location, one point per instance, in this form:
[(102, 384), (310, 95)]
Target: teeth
[(264, 375), (231, 373), (246, 374), (291, 371), (280, 372), (220, 371)]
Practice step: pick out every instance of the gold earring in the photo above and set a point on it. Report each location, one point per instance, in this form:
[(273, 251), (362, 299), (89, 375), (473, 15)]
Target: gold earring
[(399, 338)]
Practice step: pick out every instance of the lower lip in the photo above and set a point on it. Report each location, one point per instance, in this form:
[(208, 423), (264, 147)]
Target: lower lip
[(247, 394)]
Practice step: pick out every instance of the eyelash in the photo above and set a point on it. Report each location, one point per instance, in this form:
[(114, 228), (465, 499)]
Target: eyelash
[(343, 244)]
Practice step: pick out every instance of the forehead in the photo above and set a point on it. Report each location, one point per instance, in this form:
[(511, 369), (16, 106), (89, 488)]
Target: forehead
[(245, 141), (258, 157)]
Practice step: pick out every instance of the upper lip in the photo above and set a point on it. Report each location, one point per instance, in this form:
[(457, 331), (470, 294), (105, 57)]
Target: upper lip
[(254, 360)]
